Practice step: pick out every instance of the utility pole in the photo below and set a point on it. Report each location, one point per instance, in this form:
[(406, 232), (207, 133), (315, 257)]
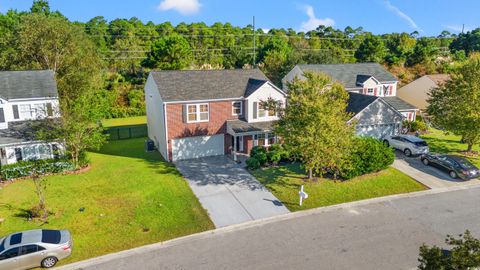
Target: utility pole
[(254, 42), (463, 27)]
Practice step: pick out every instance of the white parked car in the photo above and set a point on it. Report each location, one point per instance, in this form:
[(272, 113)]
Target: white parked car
[(408, 144)]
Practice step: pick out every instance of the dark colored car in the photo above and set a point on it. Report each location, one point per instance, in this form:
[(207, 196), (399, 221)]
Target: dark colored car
[(455, 166)]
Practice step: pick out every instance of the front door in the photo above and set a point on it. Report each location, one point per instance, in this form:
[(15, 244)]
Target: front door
[(238, 143)]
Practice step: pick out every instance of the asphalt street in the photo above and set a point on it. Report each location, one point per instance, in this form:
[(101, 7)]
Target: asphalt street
[(378, 234)]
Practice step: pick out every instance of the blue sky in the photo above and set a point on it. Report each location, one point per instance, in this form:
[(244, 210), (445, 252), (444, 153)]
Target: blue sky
[(429, 17)]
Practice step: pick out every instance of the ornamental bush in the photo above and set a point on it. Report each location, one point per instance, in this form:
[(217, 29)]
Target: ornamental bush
[(28, 168), (256, 150), (261, 157), (252, 163), (274, 156), (369, 155)]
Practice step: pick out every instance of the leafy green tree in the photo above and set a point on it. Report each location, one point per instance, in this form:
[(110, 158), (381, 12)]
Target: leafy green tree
[(274, 56), (399, 46), (455, 106), (424, 52), (172, 52), (468, 42), (314, 124), (40, 6), (465, 254), (371, 49)]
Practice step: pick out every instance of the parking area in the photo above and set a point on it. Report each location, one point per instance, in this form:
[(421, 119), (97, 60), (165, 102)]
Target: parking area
[(229, 193), (427, 175)]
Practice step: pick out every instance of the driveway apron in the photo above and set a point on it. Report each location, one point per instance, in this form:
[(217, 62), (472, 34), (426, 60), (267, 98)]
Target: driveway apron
[(229, 193)]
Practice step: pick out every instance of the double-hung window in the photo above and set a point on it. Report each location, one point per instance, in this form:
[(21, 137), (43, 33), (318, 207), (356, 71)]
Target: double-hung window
[(237, 108), (262, 112), (370, 91), (26, 111), (197, 113)]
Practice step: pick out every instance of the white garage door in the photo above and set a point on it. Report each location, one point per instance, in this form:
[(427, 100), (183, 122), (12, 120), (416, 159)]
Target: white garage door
[(376, 131), (195, 147)]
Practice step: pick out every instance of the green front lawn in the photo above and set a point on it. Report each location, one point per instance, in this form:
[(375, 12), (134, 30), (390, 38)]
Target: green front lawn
[(128, 121), (285, 181), (441, 143), (131, 198)]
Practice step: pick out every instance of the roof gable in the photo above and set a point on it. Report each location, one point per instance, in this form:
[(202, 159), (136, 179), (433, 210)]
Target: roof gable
[(186, 85), (27, 84), (358, 102), (350, 74)]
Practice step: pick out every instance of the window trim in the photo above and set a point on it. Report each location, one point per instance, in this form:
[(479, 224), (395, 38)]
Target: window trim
[(265, 111), (373, 91), (197, 112), (241, 108)]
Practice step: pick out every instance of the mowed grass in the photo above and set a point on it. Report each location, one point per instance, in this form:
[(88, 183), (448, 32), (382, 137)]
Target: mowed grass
[(128, 121), (285, 181), (439, 142), (131, 198)]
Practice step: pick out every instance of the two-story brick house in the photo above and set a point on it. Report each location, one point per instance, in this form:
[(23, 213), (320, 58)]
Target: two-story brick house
[(25, 97), (363, 78), (198, 113)]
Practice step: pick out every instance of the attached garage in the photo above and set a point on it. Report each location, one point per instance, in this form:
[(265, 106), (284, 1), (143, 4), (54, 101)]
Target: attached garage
[(377, 131), (197, 147)]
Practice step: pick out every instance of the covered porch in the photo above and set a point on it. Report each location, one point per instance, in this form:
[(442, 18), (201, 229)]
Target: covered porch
[(243, 136)]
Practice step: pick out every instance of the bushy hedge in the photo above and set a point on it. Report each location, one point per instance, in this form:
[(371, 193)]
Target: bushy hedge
[(27, 168), (415, 126), (260, 155), (369, 155), (253, 163)]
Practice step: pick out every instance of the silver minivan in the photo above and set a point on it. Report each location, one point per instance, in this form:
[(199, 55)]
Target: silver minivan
[(408, 144), (35, 248)]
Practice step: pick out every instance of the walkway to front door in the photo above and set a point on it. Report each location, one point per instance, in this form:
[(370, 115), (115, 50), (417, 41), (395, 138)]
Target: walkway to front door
[(229, 193)]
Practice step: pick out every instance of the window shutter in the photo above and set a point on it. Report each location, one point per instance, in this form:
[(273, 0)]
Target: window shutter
[(49, 109), (2, 116), (390, 90), (16, 115), (255, 108), (184, 113)]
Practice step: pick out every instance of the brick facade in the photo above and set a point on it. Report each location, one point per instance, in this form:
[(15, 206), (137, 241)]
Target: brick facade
[(219, 113)]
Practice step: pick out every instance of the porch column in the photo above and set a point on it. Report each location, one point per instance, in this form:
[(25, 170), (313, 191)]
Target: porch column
[(234, 148)]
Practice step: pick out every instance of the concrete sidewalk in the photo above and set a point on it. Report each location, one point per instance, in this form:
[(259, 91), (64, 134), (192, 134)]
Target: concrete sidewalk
[(229, 193), (379, 233)]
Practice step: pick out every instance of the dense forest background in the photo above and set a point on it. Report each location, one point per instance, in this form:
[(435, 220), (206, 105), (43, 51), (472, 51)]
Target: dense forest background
[(127, 49)]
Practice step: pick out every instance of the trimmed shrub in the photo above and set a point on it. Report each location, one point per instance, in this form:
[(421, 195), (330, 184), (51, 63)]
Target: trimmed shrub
[(369, 155), (415, 126), (261, 157), (256, 150), (253, 163), (27, 168), (274, 156)]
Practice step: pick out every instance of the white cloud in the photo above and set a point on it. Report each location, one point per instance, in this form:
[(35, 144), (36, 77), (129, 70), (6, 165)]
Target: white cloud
[(402, 15), (313, 22), (184, 7), (457, 28)]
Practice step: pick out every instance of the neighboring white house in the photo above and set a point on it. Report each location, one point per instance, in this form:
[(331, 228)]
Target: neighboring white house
[(26, 96)]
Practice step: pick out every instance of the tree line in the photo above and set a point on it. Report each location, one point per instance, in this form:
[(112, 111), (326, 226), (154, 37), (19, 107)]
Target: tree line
[(124, 50)]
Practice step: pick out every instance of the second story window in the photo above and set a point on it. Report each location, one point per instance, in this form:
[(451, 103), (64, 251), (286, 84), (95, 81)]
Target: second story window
[(26, 111), (237, 108), (262, 112), (370, 91), (197, 113)]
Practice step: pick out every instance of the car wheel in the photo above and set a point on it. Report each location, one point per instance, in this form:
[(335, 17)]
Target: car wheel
[(453, 174), (386, 143), (49, 262), (425, 161), (407, 152)]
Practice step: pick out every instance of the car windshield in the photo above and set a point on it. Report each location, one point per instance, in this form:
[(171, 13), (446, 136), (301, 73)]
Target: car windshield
[(51, 236), (420, 143), (465, 164), (2, 245)]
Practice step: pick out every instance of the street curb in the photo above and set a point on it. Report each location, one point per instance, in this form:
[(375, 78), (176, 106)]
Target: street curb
[(255, 223)]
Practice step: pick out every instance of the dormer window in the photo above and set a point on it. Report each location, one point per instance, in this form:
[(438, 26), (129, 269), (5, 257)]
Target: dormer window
[(237, 108)]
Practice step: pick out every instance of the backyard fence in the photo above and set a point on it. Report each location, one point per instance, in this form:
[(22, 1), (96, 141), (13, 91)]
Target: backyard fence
[(126, 132)]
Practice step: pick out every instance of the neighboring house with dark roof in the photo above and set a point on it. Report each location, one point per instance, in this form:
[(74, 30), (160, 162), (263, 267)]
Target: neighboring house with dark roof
[(198, 113), (373, 116), (370, 79), (417, 91), (25, 97)]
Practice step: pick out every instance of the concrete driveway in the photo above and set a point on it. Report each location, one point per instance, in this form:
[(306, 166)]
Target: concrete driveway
[(427, 175), (229, 193)]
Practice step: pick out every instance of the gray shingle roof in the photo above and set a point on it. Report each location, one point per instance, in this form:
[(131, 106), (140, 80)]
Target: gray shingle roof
[(242, 126), (27, 84), (358, 102), (347, 73), (183, 85), (399, 104)]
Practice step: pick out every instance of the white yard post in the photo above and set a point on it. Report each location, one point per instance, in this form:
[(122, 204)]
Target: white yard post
[(302, 194)]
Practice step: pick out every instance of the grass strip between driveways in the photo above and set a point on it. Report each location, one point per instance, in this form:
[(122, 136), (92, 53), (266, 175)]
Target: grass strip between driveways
[(285, 181), (131, 198), (127, 121)]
